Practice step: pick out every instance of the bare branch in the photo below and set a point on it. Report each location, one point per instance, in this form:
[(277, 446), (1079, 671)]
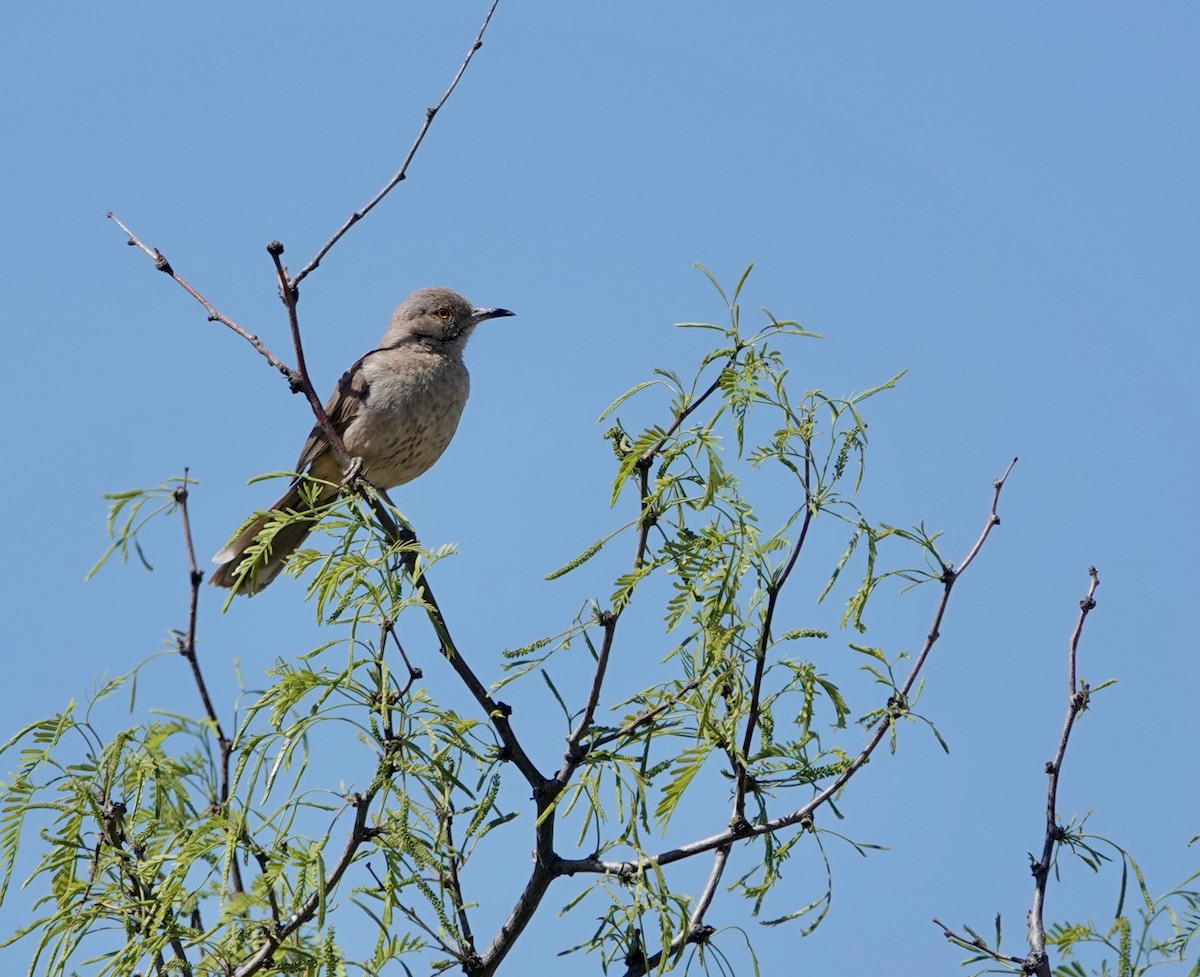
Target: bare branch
[(574, 755), (975, 944), (401, 173), (186, 645), (1077, 700), (993, 519), (161, 263), (303, 382)]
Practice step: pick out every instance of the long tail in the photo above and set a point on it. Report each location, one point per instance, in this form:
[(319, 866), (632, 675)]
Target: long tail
[(269, 563)]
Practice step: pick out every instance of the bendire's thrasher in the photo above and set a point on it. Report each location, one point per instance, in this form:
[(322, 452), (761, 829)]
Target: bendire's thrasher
[(397, 408)]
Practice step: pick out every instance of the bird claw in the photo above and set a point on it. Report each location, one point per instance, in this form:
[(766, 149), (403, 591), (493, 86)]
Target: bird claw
[(353, 472)]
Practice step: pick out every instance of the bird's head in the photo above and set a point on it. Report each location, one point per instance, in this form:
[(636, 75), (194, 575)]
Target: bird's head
[(438, 317)]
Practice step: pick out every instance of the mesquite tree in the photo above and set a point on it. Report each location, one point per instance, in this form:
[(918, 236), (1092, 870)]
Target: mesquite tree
[(701, 726)]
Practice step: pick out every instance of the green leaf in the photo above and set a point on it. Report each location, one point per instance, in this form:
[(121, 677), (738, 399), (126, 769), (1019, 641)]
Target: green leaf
[(686, 766)]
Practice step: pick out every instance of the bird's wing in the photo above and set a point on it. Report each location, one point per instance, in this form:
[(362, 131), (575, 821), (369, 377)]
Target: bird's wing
[(342, 408)]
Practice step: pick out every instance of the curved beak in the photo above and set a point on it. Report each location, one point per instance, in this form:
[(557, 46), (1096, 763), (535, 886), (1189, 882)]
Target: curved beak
[(479, 315)]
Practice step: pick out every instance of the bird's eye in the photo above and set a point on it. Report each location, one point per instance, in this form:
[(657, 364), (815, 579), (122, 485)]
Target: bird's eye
[(443, 313)]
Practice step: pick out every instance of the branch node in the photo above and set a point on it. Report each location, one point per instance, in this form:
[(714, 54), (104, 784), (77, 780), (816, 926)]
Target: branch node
[(1035, 963), (275, 249)]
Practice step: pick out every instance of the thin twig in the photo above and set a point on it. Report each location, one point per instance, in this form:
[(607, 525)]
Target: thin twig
[(1086, 605), (434, 936), (993, 519), (402, 534), (760, 662), (1077, 700), (975, 944), (682, 416), (214, 315), (187, 647), (950, 577), (403, 171), (456, 893), (303, 382), (574, 755), (646, 717), (497, 712)]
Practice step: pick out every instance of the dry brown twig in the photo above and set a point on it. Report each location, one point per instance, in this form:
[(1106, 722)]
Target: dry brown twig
[(1037, 962)]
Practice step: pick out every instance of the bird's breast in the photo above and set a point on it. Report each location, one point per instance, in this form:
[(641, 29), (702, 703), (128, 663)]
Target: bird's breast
[(411, 410)]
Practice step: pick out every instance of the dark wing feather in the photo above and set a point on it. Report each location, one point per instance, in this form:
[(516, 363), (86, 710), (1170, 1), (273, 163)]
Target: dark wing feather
[(342, 408)]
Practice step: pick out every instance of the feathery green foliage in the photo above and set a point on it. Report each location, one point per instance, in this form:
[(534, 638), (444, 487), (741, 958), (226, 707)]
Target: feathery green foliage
[(343, 792)]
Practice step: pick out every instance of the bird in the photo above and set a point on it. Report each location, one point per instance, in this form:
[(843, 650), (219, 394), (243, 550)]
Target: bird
[(396, 409)]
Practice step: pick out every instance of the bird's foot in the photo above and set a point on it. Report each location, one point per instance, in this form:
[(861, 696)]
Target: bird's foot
[(353, 472)]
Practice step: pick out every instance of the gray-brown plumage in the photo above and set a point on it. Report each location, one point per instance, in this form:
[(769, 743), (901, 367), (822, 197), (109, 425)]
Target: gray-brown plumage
[(396, 408)]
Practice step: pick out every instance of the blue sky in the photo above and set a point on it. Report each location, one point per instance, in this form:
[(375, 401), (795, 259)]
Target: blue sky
[(1001, 199)]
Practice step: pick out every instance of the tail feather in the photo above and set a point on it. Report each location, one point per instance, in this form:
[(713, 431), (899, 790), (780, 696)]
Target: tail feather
[(284, 543)]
